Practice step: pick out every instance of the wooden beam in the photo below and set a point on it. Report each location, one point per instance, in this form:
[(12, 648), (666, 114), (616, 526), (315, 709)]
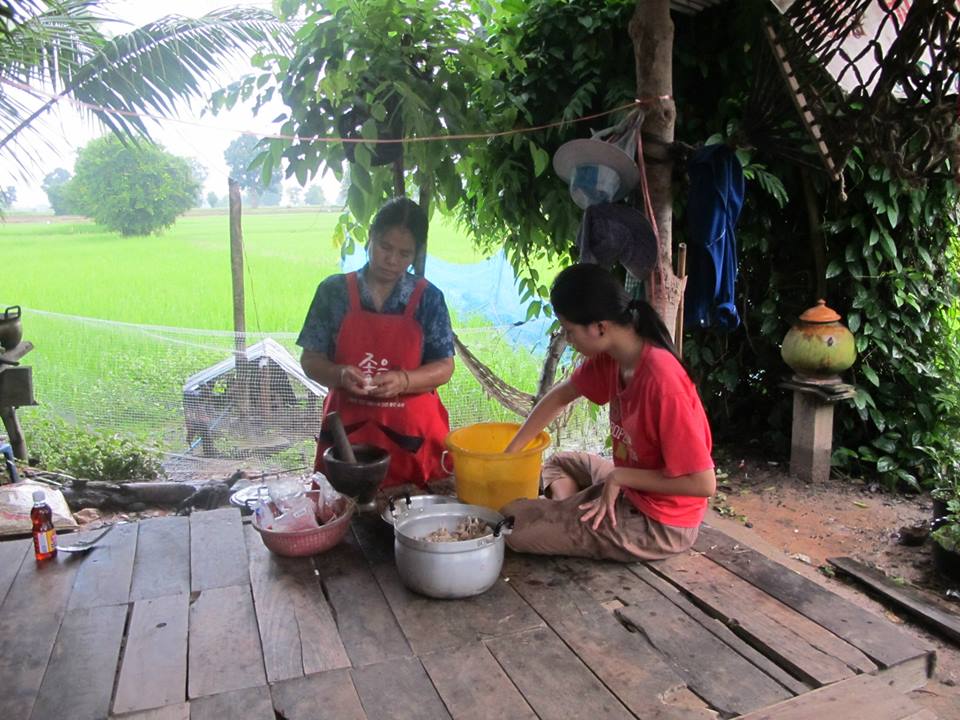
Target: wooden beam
[(863, 696), (811, 124), (883, 642), (904, 596)]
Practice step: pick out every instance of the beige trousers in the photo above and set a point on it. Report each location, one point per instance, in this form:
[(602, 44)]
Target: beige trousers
[(553, 527)]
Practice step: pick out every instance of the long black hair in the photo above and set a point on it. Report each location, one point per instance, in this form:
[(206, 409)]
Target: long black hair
[(586, 293), (404, 213)]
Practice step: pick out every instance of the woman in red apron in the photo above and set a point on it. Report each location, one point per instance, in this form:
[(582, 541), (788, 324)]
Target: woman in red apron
[(380, 340)]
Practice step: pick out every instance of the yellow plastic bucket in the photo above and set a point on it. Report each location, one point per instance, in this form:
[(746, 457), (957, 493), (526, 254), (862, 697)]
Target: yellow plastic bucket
[(484, 475)]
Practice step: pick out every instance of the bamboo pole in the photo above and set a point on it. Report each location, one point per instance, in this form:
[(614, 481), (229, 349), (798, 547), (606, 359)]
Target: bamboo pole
[(236, 275), (682, 274)]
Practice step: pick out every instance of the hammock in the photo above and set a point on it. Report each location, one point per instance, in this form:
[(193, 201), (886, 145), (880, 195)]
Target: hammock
[(514, 400), (511, 398)]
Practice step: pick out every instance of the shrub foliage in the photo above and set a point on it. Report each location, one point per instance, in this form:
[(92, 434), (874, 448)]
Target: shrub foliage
[(91, 455)]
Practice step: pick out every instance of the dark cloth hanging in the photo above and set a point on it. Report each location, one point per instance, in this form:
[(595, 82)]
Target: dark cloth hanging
[(716, 197), (614, 232)]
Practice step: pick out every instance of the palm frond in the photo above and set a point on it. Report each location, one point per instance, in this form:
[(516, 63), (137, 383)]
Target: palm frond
[(150, 69)]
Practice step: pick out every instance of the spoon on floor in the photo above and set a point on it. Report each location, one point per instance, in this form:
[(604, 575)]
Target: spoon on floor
[(82, 546)]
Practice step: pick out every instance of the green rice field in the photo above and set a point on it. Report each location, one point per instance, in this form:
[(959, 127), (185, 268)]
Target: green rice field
[(181, 277), (121, 376)]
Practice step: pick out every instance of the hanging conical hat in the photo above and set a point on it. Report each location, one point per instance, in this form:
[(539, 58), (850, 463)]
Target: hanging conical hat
[(575, 153)]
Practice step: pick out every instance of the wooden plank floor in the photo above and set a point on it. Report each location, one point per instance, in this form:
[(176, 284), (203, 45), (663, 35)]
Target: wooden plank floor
[(175, 619)]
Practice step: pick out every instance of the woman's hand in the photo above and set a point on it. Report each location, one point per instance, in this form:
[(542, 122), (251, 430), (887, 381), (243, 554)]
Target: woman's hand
[(389, 384), (352, 380), (606, 504)]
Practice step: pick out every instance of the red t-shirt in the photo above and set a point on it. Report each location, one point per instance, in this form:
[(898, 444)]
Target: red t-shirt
[(657, 422)]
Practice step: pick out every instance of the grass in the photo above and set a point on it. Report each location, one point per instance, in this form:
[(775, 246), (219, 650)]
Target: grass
[(181, 277), (117, 377)]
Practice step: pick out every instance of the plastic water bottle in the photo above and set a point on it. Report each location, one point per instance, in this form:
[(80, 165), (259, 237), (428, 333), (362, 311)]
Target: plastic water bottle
[(44, 536)]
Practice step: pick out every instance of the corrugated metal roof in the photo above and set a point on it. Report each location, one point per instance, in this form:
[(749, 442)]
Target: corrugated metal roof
[(266, 348)]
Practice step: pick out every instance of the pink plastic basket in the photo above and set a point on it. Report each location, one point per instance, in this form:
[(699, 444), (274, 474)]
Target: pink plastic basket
[(309, 542)]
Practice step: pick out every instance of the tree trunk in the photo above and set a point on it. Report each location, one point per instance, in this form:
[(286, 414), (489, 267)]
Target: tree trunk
[(420, 261), (548, 375), (399, 185), (651, 30), (815, 231)]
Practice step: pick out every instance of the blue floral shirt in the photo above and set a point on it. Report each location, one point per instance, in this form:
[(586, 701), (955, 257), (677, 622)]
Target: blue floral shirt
[(331, 302)]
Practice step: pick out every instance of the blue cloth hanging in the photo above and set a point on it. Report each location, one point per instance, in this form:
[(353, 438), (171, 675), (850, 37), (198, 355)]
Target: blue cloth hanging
[(716, 197)]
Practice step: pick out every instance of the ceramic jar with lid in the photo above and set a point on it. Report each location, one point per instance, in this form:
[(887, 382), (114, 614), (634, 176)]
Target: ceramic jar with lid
[(11, 332), (819, 346)]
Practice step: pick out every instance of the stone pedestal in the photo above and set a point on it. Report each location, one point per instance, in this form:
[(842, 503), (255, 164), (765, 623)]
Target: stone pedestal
[(811, 441)]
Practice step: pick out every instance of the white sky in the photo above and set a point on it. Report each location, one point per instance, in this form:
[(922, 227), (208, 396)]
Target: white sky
[(206, 143)]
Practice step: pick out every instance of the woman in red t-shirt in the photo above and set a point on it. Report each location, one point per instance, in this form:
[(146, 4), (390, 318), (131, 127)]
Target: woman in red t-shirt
[(648, 502)]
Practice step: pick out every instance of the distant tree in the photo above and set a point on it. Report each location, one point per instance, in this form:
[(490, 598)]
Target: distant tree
[(270, 197), (238, 155), (315, 196), (294, 195), (133, 189), (199, 172), (55, 185), (212, 199), (7, 197)]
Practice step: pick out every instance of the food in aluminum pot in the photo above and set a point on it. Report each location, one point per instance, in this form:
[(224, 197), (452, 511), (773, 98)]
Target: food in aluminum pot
[(448, 569), (468, 528)]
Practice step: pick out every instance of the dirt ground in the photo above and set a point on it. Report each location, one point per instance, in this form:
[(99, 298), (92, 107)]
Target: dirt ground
[(802, 524)]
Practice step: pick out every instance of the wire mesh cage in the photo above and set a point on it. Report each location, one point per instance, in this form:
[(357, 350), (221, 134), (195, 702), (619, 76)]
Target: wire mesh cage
[(183, 391)]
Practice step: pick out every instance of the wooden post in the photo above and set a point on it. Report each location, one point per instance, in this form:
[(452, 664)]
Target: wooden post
[(8, 415), (236, 274)]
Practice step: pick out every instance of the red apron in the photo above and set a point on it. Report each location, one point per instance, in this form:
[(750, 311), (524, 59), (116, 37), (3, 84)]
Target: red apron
[(411, 428)]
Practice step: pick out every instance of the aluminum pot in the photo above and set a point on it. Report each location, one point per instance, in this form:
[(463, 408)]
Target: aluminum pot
[(446, 570), (406, 504)]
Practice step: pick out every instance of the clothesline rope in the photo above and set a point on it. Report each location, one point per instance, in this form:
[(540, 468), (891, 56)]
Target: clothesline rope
[(324, 139)]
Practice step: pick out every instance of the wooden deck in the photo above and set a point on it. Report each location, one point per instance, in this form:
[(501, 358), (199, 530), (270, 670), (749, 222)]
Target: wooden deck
[(178, 618)]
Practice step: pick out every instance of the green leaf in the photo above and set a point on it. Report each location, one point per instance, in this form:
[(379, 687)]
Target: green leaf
[(357, 202), (893, 213), (886, 444), (541, 159), (889, 247), (886, 464), (360, 177), (853, 322), (834, 268), (870, 374)]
